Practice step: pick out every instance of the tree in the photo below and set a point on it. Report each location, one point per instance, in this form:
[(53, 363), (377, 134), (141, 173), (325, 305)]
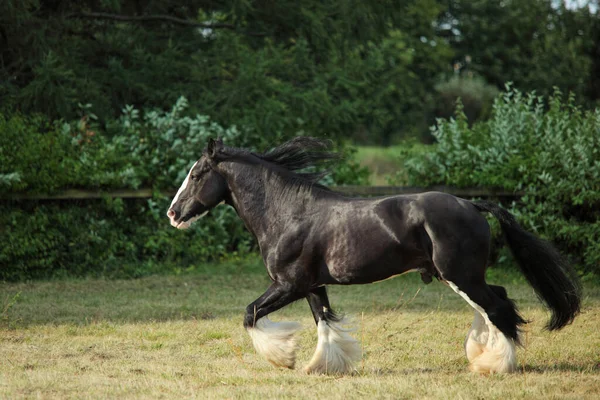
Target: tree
[(536, 44), (318, 67)]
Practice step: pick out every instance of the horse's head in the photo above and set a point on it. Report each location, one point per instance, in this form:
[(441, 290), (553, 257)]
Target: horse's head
[(202, 189)]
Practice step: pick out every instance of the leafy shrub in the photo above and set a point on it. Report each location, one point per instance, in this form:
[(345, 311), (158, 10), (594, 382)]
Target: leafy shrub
[(551, 152), (348, 171), (33, 155), (152, 148), (156, 150), (113, 237), (162, 146)]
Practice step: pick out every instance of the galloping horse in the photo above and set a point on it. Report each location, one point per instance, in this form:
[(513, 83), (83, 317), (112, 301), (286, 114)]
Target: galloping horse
[(311, 237)]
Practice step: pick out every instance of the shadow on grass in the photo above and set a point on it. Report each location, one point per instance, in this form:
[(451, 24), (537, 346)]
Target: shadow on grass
[(590, 368), (371, 372), (561, 367)]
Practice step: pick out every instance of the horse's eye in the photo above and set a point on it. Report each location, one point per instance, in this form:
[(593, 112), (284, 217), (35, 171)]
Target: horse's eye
[(194, 177)]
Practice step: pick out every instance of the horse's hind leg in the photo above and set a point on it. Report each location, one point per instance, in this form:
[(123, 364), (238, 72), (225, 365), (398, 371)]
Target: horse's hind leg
[(460, 247), (336, 351), (490, 343)]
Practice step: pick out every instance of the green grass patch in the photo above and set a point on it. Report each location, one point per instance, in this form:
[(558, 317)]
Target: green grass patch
[(386, 164), (182, 336)]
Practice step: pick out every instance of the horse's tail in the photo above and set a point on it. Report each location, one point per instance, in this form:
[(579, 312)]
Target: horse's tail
[(553, 280)]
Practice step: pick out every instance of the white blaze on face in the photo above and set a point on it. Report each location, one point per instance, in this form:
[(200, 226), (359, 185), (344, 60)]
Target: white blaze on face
[(183, 186)]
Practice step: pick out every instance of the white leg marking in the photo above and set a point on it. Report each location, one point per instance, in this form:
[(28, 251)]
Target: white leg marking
[(275, 341), (499, 353), (336, 351)]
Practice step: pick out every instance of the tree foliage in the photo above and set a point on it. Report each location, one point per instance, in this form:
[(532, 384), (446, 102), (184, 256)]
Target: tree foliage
[(536, 44), (341, 68), (278, 68)]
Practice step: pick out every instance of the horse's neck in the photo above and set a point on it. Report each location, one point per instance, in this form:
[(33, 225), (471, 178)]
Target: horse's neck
[(262, 199)]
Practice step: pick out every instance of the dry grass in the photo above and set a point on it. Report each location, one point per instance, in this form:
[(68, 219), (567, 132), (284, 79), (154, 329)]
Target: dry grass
[(182, 337)]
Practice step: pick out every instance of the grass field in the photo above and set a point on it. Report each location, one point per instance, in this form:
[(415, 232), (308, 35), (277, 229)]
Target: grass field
[(386, 163), (182, 337)]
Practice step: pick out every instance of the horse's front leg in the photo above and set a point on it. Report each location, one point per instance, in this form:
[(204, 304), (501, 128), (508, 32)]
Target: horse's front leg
[(336, 351), (273, 340)]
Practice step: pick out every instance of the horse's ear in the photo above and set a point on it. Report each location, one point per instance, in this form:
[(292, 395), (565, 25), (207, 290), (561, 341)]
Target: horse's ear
[(214, 146)]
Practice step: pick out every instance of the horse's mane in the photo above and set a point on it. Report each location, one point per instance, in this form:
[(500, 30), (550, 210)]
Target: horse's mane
[(301, 153)]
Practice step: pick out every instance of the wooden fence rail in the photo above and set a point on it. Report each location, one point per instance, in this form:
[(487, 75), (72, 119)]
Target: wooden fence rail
[(366, 191)]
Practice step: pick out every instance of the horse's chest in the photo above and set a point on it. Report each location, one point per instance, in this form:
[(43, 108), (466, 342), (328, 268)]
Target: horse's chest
[(286, 253)]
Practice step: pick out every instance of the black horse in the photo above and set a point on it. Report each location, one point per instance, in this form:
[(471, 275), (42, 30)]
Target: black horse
[(310, 237)]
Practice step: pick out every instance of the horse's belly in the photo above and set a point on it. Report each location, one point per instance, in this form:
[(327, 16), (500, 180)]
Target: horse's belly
[(368, 245), (366, 264)]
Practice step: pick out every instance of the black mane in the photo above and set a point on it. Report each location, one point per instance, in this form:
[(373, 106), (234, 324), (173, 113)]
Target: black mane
[(302, 153)]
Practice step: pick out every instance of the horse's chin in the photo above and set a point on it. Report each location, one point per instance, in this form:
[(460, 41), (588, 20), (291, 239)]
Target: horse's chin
[(186, 224), (183, 225)]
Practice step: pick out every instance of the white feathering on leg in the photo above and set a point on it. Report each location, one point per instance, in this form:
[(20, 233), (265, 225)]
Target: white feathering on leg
[(499, 354), (275, 341), (477, 337), (336, 351)]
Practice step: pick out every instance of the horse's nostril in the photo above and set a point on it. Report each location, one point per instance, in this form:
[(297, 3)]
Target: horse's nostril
[(171, 213)]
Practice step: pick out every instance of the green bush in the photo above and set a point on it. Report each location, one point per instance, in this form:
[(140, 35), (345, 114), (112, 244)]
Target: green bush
[(160, 147), (551, 152), (155, 149), (113, 237), (34, 155), (140, 149)]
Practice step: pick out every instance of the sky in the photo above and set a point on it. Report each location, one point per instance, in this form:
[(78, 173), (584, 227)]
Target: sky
[(581, 3)]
